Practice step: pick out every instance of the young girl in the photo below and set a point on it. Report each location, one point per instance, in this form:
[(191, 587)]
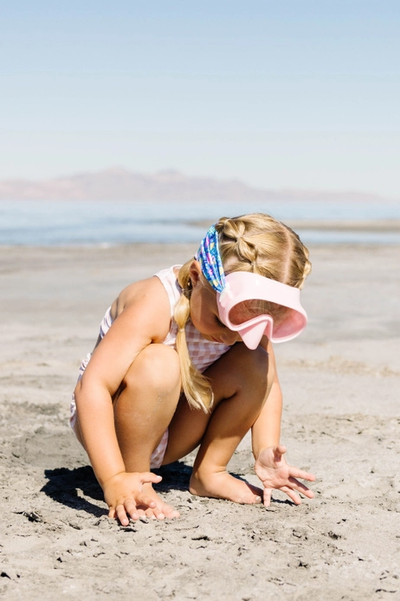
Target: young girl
[(185, 358)]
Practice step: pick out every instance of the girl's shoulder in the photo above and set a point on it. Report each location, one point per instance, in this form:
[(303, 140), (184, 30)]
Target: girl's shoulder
[(148, 302), (144, 291), (169, 279), (151, 289)]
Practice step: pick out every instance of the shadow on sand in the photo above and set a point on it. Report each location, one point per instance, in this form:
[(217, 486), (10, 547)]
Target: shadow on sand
[(75, 487)]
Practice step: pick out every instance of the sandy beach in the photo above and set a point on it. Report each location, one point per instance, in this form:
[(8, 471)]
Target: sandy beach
[(341, 382)]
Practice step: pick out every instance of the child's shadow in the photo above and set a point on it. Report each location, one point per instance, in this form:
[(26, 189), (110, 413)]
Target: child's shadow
[(65, 486), (175, 476)]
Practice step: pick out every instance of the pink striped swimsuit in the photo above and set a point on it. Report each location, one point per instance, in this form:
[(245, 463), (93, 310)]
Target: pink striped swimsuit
[(202, 352)]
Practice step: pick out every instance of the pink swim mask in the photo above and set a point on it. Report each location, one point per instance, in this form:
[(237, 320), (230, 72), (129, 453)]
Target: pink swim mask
[(241, 286)]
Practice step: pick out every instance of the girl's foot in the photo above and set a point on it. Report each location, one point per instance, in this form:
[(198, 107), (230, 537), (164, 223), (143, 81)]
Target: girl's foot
[(222, 485)]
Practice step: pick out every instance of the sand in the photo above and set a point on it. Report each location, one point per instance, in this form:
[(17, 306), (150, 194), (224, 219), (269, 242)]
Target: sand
[(341, 382)]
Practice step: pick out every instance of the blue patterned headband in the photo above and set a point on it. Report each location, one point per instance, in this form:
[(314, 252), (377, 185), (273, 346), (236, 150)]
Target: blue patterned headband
[(210, 260)]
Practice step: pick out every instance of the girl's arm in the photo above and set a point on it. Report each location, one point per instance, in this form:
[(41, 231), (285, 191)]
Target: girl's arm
[(270, 465), (144, 318), (266, 430)]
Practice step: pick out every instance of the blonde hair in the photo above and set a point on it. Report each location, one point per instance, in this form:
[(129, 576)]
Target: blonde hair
[(257, 243)]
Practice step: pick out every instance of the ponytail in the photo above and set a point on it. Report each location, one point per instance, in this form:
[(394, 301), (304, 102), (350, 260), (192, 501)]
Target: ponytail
[(196, 387)]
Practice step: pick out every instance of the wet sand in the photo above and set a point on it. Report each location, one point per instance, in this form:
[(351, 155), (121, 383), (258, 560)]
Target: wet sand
[(341, 382)]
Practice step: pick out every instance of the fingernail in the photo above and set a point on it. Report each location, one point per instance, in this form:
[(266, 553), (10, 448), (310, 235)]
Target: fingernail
[(258, 500)]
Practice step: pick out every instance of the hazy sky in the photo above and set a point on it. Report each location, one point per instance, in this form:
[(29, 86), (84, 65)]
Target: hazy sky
[(298, 94)]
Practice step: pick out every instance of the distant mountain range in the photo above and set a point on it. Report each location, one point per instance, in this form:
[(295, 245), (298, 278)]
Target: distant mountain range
[(121, 184)]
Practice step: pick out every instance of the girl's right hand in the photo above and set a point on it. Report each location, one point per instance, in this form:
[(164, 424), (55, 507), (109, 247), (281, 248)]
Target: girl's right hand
[(274, 472), (126, 498)]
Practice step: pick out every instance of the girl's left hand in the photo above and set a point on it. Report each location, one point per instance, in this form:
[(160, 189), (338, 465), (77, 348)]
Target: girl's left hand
[(274, 472)]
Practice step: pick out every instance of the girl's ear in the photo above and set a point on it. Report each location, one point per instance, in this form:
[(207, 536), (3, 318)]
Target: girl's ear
[(194, 272)]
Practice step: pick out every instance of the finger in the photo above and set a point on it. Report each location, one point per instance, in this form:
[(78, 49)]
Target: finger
[(267, 497), (131, 509), (300, 487), (145, 500), (155, 514), (111, 513), (145, 477), (159, 514), (292, 494), (281, 449), (296, 473), (121, 515)]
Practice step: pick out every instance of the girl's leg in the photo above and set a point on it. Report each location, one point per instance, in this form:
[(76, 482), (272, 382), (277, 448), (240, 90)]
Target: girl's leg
[(143, 409), (241, 380)]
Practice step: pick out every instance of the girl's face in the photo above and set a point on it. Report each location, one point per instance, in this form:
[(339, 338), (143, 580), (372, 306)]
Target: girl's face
[(204, 310)]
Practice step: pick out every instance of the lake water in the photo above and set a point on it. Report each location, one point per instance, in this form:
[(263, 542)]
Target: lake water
[(61, 223)]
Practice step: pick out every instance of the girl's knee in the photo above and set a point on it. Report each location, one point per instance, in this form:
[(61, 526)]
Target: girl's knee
[(242, 373), (256, 370), (156, 366), (250, 363)]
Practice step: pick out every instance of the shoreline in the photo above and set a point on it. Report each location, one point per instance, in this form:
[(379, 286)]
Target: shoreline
[(314, 232), (153, 246)]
